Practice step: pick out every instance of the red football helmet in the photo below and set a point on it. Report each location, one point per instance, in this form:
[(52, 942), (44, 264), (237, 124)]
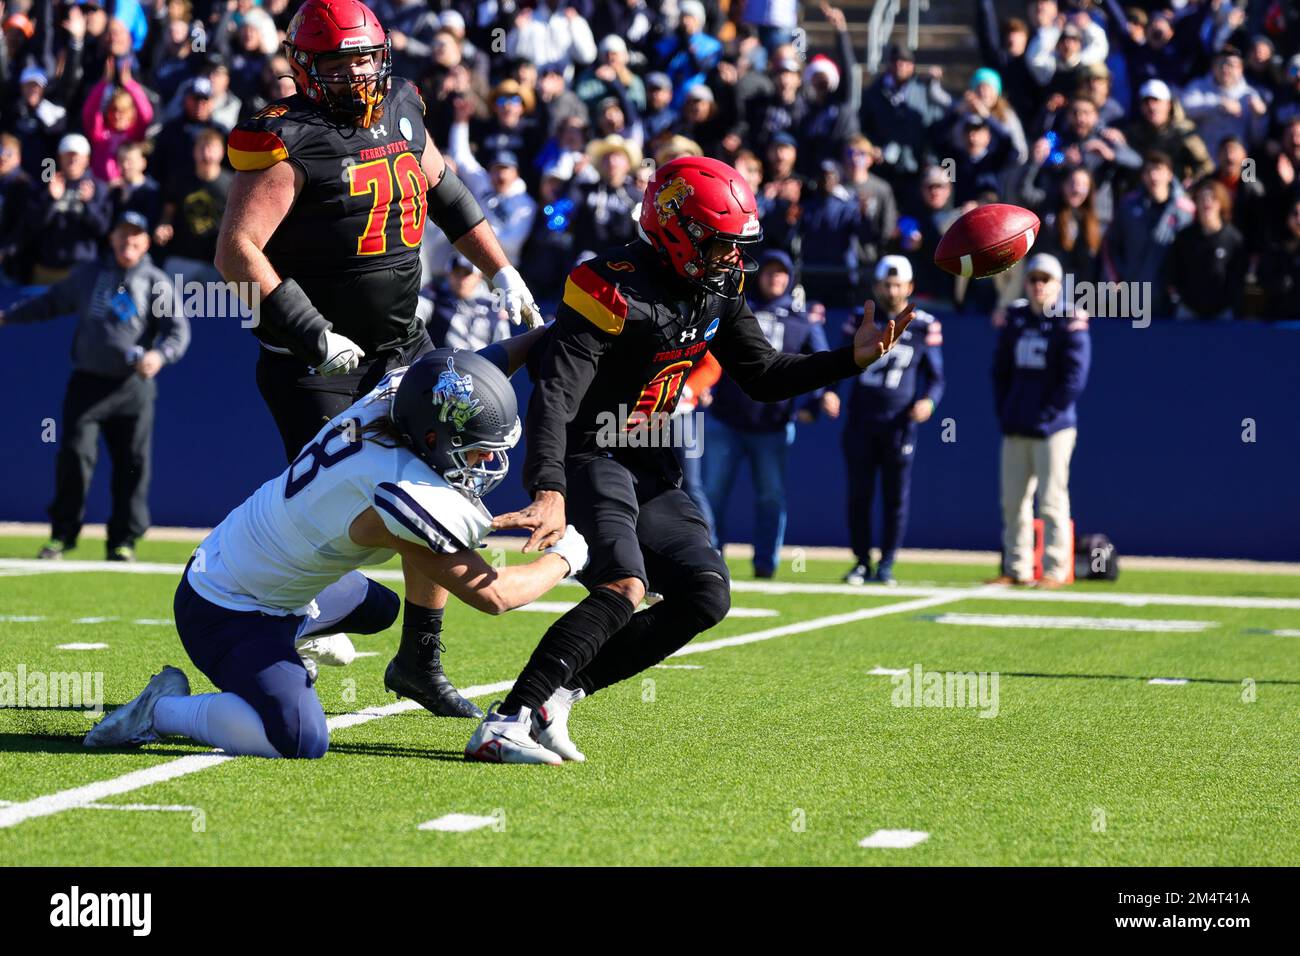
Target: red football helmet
[(330, 27), (693, 208)]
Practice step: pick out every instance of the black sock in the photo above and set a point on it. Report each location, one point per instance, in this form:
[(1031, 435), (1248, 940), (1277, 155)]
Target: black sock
[(421, 627), (657, 632), (567, 647)]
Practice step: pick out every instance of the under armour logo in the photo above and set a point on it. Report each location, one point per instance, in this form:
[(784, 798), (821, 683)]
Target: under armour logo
[(688, 335), (378, 131)]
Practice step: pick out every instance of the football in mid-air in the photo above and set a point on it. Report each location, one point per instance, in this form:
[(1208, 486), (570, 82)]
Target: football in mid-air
[(987, 240)]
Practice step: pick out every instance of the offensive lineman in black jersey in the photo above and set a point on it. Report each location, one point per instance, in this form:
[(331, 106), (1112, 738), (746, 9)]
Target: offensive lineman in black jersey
[(633, 322), (325, 218)]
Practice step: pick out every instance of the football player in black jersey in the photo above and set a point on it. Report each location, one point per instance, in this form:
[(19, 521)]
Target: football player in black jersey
[(633, 322), (325, 218)]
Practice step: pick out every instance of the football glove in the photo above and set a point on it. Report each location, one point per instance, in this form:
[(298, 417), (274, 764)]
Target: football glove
[(519, 301), (572, 547), (342, 355)]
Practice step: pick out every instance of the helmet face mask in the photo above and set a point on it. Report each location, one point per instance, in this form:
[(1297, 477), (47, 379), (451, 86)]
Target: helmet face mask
[(451, 403), (699, 214), (321, 41), (478, 479)]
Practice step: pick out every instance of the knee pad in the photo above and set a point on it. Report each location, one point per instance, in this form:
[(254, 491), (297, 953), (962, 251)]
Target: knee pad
[(377, 612)]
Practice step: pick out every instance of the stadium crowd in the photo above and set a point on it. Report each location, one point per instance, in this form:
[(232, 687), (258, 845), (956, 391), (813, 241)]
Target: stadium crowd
[(1158, 142)]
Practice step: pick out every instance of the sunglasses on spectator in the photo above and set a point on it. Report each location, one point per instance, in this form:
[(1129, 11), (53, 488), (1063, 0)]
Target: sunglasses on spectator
[(507, 100), (1039, 277)]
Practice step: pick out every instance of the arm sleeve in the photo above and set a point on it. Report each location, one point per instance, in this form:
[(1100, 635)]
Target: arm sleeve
[(416, 508), (566, 369), (767, 375)]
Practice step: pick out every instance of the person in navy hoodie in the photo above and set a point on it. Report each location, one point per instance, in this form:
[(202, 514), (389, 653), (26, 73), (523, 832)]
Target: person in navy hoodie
[(741, 428), (887, 402), (1040, 368)]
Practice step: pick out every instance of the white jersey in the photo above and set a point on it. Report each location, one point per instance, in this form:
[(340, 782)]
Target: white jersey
[(289, 540)]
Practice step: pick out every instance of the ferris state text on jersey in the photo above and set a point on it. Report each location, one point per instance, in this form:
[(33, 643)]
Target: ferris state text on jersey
[(364, 188)]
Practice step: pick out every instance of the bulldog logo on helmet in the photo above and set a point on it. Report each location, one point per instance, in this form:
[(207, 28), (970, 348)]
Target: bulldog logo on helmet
[(455, 394), (669, 198)]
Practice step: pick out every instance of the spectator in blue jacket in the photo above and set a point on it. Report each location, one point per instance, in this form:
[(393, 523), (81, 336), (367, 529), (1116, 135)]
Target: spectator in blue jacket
[(1040, 367), (887, 402), (741, 428), (836, 232), (688, 55)]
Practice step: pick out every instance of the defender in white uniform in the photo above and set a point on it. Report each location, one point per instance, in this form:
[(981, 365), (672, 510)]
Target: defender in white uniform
[(400, 472)]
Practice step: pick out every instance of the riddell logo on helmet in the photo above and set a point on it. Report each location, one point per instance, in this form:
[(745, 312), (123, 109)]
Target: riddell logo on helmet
[(348, 43), (669, 198), (752, 227)]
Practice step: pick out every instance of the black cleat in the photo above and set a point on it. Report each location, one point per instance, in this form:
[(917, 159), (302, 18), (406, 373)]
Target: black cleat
[(429, 687)]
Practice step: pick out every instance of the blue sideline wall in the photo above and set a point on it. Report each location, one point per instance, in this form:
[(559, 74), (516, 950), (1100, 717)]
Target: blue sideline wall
[(1160, 465)]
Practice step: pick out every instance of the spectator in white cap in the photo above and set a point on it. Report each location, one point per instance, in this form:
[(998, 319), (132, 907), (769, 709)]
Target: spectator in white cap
[(37, 122), (1160, 125), (887, 403), (66, 220), (1040, 368), (610, 75)]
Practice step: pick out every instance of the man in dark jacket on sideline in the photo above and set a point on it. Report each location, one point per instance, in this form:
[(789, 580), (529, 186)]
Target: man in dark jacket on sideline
[(126, 333)]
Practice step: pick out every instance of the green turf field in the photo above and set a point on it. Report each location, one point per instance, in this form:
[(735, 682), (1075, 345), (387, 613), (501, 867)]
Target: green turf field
[(783, 750)]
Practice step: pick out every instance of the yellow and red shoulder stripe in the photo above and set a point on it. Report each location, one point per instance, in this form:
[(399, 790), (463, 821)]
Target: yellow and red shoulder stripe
[(252, 149), (596, 299)]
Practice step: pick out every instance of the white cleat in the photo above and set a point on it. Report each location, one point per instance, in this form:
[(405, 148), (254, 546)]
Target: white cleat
[(502, 739), (328, 650), (551, 724), (132, 724)]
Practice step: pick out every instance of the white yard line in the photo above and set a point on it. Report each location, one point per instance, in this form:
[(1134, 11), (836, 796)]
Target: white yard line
[(985, 593), (1041, 621), (458, 823), (76, 797), (893, 839)]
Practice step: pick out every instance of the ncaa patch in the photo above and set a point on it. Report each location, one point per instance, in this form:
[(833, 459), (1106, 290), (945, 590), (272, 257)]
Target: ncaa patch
[(404, 125), (712, 330)]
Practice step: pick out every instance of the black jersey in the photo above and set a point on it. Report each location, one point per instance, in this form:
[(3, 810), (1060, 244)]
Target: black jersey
[(362, 206), (626, 335)]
